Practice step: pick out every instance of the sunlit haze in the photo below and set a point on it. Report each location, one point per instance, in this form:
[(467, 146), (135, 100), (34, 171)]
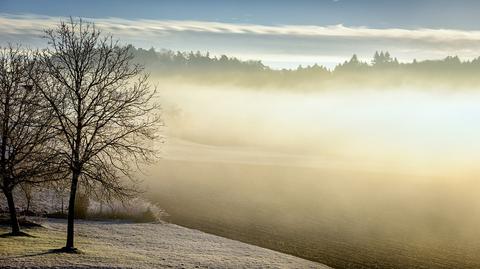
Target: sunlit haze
[(240, 134)]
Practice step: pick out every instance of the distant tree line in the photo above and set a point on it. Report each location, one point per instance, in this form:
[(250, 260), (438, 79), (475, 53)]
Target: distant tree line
[(166, 60), (383, 69), (383, 61)]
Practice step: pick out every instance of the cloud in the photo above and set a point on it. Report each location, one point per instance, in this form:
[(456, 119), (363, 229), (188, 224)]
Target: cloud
[(333, 40), (20, 23)]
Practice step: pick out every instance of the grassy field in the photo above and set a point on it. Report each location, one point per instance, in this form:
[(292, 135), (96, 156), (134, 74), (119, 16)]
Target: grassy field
[(131, 245), (37, 250)]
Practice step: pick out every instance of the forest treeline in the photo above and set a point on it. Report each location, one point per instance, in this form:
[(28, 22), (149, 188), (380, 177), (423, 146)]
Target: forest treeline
[(382, 70)]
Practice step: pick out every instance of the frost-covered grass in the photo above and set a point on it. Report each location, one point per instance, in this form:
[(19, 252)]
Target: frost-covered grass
[(136, 245), (137, 210), (46, 202)]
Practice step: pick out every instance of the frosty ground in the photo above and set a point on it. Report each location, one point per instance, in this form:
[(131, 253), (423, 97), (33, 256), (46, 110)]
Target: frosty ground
[(131, 245)]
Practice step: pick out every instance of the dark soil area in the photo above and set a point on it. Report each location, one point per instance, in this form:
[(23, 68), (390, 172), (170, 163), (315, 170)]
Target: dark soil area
[(336, 247), (329, 219)]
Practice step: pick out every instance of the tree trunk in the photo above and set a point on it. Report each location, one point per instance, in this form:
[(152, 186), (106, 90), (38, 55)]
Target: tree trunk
[(71, 212), (13, 212), (28, 207)]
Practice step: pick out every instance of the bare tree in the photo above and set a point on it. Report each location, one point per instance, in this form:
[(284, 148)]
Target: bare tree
[(26, 140), (104, 108)]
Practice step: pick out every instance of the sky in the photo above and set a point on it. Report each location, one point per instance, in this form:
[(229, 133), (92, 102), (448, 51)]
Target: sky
[(283, 34)]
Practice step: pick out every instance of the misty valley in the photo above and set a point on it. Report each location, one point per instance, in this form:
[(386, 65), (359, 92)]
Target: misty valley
[(239, 134), (384, 178)]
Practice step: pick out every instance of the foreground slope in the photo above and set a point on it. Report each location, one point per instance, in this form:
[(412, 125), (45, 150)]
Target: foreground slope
[(128, 245)]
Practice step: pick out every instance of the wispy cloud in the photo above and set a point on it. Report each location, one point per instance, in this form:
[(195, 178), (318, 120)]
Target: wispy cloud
[(22, 23), (290, 39)]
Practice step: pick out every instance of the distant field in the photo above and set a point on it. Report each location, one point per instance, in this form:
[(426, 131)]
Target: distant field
[(342, 219)]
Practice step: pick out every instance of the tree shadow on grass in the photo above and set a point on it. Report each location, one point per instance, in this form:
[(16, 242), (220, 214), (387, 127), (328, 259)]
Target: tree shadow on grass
[(19, 234), (66, 250), (50, 251), (26, 255)]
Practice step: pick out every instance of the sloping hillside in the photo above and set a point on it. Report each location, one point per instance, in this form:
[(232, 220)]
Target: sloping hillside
[(128, 245)]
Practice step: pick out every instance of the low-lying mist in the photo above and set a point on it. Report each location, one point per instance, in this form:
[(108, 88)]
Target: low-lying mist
[(422, 131), (327, 175)]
